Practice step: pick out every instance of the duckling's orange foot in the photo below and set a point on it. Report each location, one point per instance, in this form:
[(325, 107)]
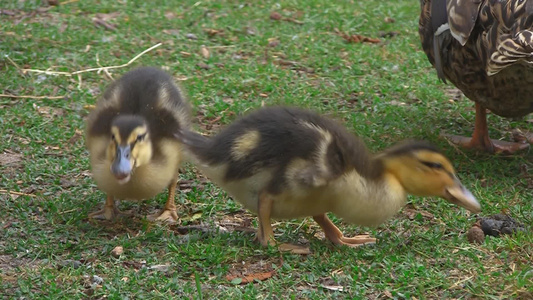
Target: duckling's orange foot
[(355, 241), (167, 216), (295, 249), (487, 145), (109, 213)]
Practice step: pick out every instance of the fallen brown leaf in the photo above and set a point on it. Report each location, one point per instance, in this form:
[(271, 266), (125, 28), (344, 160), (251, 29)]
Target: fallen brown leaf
[(251, 277), (102, 20), (273, 42), (205, 52), (48, 111), (101, 23), (204, 66), (108, 16), (117, 251), (212, 32), (7, 12), (357, 38), (174, 32), (170, 15), (10, 158), (411, 214), (275, 16)]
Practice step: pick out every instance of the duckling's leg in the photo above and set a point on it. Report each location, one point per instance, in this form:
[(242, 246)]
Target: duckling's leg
[(109, 212), (336, 237), (265, 234), (481, 140), (169, 213)]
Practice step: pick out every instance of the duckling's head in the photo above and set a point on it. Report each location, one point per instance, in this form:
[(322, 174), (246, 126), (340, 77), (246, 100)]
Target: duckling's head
[(130, 146), (423, 170)]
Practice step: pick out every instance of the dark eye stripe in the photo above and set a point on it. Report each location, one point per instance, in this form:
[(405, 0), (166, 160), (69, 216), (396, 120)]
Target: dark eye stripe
[(140, 137), (433, 165)]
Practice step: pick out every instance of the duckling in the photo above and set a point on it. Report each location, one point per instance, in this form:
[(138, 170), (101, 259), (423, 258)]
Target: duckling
[(130, 138), (284, 162), (485, 48)]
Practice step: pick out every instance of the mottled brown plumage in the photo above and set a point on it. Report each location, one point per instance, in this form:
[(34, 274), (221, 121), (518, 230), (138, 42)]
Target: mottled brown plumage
[(282, 163), (485, 48)]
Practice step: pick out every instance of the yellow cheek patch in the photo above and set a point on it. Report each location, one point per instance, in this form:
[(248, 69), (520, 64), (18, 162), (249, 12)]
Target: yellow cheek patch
[(243, 145), (135, 133), (116, 132), (435, 157)]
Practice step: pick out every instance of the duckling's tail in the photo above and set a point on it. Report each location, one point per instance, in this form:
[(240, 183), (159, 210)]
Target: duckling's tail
[(193, 141)]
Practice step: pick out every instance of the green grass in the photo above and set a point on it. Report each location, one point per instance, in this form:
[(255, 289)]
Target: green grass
[(364, 85)]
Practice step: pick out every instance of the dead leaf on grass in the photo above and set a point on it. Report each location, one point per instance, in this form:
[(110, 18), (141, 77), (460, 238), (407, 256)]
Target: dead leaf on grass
[(7, 12), (170, 15), (211, 32), (10, 159), (388, 294), (243, 279), (205, 52), (48, 111), (102, 20), (412, 213), (357, 38), (78, 134), (275, 16), (174, 32), (204, 66), (65, 183), (273, 42)]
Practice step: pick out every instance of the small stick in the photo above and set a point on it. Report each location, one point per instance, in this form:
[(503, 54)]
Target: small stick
[(31, 97), (99, 69), (16, 193), (68, 211)]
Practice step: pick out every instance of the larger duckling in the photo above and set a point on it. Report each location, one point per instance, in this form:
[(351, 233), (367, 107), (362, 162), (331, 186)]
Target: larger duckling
[(287, 163), (485, 48), (130, 137)]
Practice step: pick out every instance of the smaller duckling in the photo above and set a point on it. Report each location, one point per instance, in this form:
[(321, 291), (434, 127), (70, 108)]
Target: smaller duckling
[(283, 163), (130, 137)]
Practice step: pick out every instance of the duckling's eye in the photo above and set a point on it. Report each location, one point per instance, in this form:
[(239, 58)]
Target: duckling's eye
[(141, 137), (113, 137), (433, 165)]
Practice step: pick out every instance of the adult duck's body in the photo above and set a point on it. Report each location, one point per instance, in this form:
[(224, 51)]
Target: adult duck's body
[(485, 48)]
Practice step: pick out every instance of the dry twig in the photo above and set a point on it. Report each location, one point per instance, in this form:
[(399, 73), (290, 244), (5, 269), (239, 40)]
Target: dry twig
[(31, 97), (15, 193), (99, 69)]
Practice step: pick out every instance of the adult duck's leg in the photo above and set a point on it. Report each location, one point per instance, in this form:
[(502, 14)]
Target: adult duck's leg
[(265, 234), (481, 140), (169, 213), (336, 237), (109, 212)]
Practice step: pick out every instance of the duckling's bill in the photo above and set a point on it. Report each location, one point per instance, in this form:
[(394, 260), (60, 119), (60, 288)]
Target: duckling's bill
[(459, 195), (122, 165)]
